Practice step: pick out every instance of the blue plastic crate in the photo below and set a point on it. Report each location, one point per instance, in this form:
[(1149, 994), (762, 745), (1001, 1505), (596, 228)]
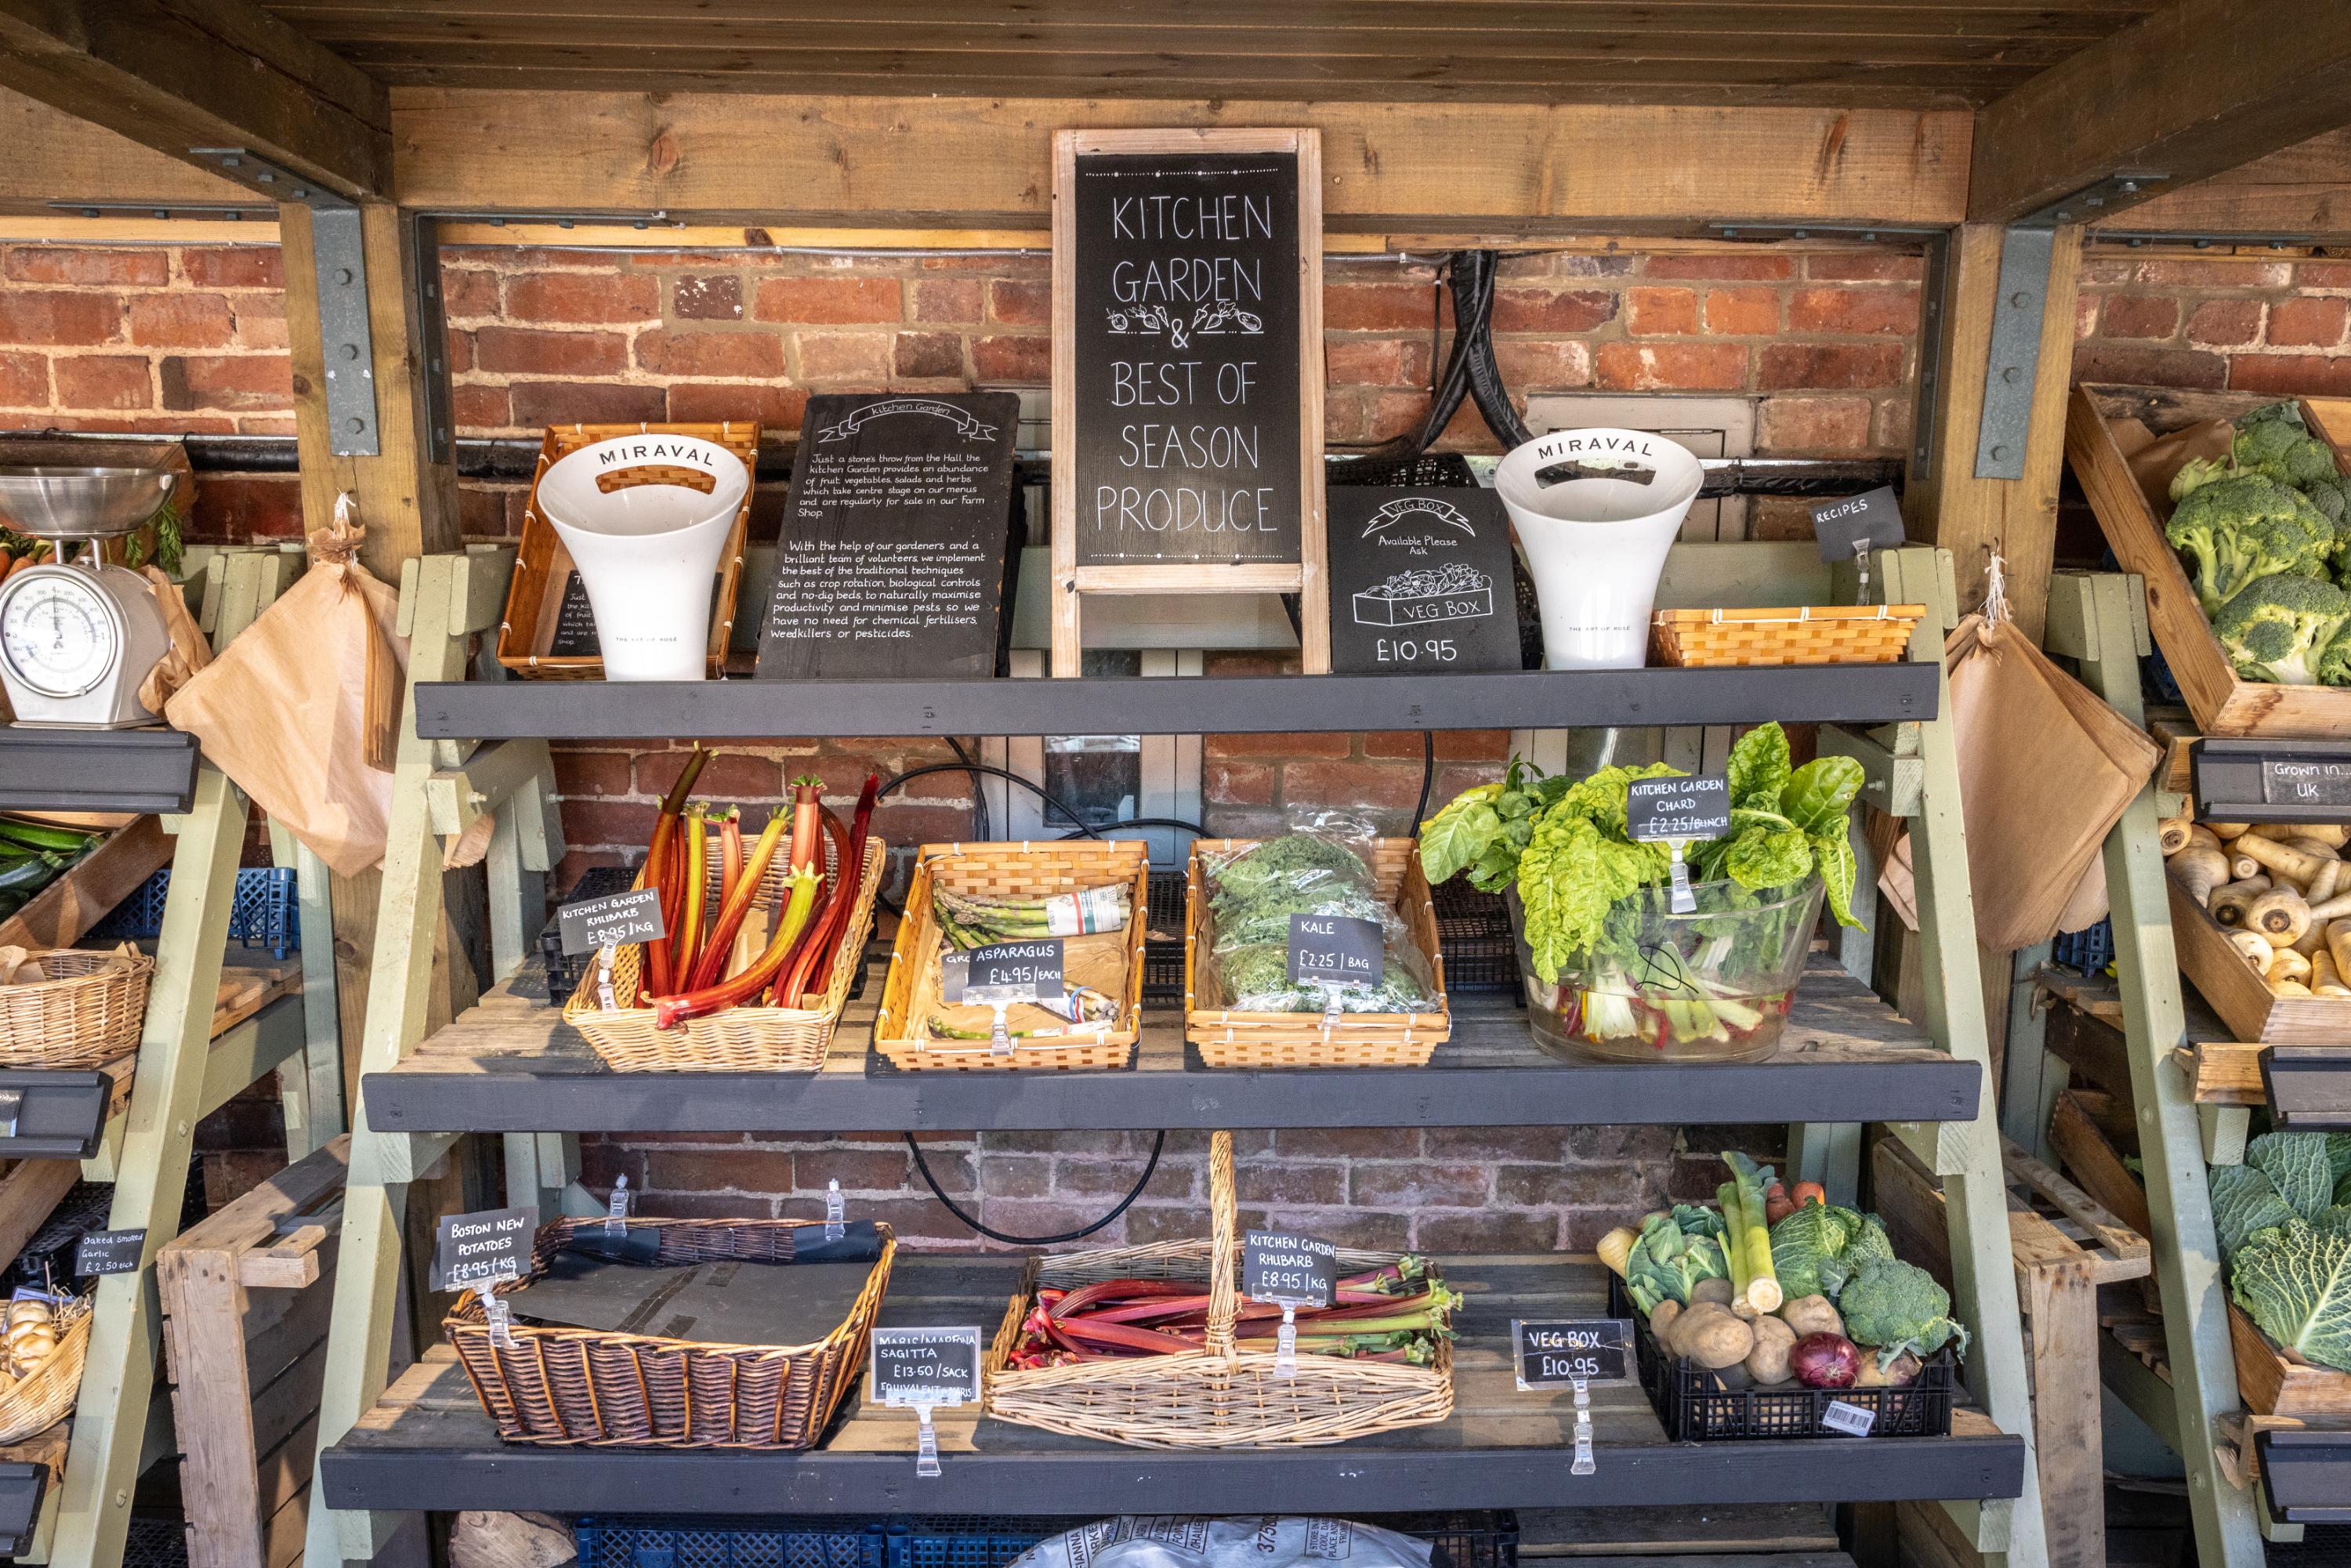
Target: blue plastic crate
[(2088, 950), (266, 911)]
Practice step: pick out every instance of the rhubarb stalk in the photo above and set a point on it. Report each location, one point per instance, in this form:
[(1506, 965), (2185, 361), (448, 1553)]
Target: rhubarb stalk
[(736, 905), (659, 854), (848, 883), (794, 927)]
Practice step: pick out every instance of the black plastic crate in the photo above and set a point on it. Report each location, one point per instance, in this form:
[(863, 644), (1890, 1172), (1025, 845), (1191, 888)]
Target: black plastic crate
[(1695, 1407), (1163, 939), (1481, 954), (1462, 1540)]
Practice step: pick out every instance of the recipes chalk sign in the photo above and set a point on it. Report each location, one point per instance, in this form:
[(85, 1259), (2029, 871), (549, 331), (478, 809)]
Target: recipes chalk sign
[(896, 543), (1187, 331)]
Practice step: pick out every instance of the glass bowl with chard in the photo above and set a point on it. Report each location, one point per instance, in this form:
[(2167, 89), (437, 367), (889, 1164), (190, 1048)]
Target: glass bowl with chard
[(1612, 971)]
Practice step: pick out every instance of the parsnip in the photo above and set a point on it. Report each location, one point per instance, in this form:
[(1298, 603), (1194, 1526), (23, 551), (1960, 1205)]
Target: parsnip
[(2243, 867), (2326, 980), (2229, 900), (2334, 908), (2335, 834), (2338, 945), (2289, 989), (2327, 883), (2171, 834), (2310, 846), (2229, 832), (2253, 949), (2278, 859), (2288, 965), (2199, 869), (2281, 915), (2200, 837)]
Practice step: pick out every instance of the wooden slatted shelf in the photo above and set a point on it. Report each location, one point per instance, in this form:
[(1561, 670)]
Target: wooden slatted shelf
[(511, 1065), (427, 1445)]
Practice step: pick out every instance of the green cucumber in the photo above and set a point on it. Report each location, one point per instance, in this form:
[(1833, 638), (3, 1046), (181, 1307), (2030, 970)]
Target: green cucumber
[(33, 834)]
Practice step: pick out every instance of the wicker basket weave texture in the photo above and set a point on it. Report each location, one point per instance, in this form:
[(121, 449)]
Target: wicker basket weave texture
[(1813, 634), (1232, 1039), (1222, 1397), (87, 1013), (739, 1039), (581, 1387), (1008, 870), (45, 1396)]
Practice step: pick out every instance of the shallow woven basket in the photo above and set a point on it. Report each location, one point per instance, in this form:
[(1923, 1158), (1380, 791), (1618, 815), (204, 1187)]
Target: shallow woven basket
[(1814, 634), (1232, 1039), (740, 1039), (35, 1402), (588, 1388), (85, 1015), (1024, 869), (1219, 1397)]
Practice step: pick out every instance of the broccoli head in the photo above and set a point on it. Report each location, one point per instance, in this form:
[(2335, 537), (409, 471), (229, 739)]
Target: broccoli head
[(2334, 663), (2279, 628), (2197, 473), (1896, 1306), (2274, 445), (2239, 528)]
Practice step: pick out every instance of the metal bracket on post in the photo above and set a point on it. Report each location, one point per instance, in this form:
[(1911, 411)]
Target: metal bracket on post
[(433, 330), (340, 256), (2014, 360)]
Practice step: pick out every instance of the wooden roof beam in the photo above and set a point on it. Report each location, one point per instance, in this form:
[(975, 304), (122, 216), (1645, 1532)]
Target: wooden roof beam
[(2199, 87), (55, 158), (2304, 190), (174, 75)]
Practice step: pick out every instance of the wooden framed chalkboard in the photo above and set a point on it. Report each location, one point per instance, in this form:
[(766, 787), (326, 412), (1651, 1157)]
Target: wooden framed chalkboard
[(1188, 372)]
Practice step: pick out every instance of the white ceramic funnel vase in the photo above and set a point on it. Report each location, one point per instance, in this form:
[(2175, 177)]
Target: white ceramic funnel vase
[(1596, 511), (647, 544)]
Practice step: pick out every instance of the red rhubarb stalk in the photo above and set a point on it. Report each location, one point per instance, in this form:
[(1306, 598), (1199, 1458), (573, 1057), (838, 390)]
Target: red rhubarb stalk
[(659, 855), (802, 977), (695, 869), (808, 805), (848, 879), (736, 906)]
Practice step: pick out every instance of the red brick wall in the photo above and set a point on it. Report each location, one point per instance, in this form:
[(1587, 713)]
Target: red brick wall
[(194, 338)]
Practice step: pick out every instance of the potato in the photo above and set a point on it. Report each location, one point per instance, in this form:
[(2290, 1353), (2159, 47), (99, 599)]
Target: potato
[(1900, 1373), (1661, 1322), (1719, 1291), (1810, 1314), (1767, 1362), (1713, 1338)]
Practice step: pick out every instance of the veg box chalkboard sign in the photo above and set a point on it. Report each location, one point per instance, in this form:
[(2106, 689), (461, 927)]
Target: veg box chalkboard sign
[(1187, 379), (896, 554), (1420, 579)]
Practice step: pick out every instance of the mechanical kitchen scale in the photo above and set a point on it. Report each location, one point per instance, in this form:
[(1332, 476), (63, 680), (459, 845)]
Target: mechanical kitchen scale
[(76, 639)]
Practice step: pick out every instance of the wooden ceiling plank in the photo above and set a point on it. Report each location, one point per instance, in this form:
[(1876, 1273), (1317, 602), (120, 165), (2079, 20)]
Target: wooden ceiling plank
[(1452, 166), (56, 157), (2104, 15), (176, 74), (2304, 189), (2198, 88)]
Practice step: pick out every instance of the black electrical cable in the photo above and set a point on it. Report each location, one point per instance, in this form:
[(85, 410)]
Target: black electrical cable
[(1427, 777), (948, 1204), (979, 797)]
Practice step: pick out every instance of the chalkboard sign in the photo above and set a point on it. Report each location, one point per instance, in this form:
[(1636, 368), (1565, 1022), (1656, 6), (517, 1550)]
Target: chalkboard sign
[(1420, 579), (1334, 950), (575, 623), (475, 1249), (1288, 1269), (2306, 781), (1666, 808), (1582, 1350), (1188, 353), (614, 920), (1003, 972), (896, 541), (110, 1252), (1841, 526), (925, 1366)]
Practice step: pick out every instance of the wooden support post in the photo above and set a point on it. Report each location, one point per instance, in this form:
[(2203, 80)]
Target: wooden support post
[(1982, 1272), (1973, 518), (2180, 1209)]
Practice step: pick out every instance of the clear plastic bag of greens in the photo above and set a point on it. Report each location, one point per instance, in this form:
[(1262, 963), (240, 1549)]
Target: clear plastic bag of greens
[(1321, 867), (1256, 979)]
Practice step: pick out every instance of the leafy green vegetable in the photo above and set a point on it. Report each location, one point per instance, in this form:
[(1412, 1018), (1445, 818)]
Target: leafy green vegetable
[(2297, 1168), (1568, 879), (1676, 1250), (2244, 1201), (1897, 1306), (1818, 1249), (1758, 769), (2295, 1279), (1762, 857), (1820, 792), (1485, 831)]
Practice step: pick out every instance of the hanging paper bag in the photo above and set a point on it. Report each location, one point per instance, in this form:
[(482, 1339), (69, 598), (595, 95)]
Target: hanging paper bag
[(301, 708)]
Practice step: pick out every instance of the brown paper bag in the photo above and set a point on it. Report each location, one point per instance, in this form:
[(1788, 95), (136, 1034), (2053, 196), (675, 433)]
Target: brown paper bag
[(2158, 461), (2045, 770), (188, 652), (294, 710)]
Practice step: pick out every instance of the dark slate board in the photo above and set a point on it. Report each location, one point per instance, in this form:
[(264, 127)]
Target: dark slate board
[(896, 551), (1186, 296), (1420, 579)]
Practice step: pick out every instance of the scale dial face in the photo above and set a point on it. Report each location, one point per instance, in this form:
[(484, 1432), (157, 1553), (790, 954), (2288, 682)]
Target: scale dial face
[(57, 633)]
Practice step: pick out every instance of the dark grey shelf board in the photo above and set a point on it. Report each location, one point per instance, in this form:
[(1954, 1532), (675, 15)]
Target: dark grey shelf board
[(2306, 1475), (2308, 1087), (96, 770), (512, 1065), (428, 1446), (58, 1114), (555, 710)]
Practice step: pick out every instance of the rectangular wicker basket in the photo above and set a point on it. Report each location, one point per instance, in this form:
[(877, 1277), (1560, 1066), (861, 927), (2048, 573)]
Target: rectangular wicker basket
[(1223, 1396), (586, 1387), (88, 1012), (739, 1039), (1023, 868), (1807, 634), (1229, 1038)]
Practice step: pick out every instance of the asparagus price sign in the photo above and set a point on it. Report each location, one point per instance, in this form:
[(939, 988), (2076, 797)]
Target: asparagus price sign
[(614, 920), (1338, 950), (1003, 972), (1563, 1355)]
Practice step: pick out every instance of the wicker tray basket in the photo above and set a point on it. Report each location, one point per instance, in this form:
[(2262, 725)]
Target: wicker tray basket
[(740, 1039), (87, 1013), (588, 1388), (1224, 1396), (1227, 1039), (35, 1402), (1807, 634), (1024, 869)]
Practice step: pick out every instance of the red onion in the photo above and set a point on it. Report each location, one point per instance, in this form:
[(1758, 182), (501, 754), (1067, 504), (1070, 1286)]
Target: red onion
[(1825, 1361)]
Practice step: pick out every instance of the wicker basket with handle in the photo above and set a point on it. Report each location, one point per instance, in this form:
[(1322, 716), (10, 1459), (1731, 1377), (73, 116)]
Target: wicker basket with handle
[(1024, 869), (592, 1389), (1807, 634), (742, 1039), (1225, 1396), (87, 1013), (45, 1394), (1227, 1038)]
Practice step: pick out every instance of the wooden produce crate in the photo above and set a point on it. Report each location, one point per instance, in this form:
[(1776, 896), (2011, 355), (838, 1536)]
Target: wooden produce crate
[(246, 1296), (2222, 702), (62, 911), (543, 567), (2241, 999)]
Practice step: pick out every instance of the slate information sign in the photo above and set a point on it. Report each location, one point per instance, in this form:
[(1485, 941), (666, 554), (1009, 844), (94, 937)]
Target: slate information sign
[(1338, 950), (1420, 579), (1185, 270), (896, 538), (1845, 526), (614, 920), (575, 623), (1003, 971), (475, 1249), (110, 1252), (1287, 1270), (924, 1368), (1697, 808), (2306, 781), (1561, 1355)]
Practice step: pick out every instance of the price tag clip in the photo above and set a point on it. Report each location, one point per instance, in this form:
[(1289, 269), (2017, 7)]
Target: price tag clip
[(500, 1315), (1584, 1464), (616, 1214), (835, 1211), (1285, 1346)]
